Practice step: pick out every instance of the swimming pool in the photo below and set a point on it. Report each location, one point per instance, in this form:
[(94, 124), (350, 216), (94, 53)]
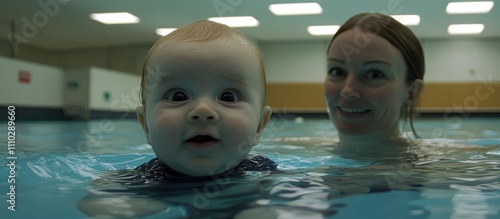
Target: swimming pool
[(56, 162)]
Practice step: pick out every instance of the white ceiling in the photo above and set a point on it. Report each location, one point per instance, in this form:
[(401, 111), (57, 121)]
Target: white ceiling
[(69, 27)]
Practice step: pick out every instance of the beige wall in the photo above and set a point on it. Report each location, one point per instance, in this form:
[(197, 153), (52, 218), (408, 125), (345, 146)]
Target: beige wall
[(436, 97), (459, 97)]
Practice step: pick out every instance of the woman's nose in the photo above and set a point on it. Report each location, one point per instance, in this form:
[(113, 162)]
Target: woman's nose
[(203, 112), (350, 90)]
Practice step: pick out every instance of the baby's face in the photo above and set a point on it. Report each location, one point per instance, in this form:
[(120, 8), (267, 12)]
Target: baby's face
[(205, 113)]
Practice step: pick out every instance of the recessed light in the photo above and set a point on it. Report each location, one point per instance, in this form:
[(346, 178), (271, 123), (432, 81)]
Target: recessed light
[(323, 30), (465, 28), (479, 7), (115, 18), (164, 31), (408, 20), (295, 9), (243, 21)]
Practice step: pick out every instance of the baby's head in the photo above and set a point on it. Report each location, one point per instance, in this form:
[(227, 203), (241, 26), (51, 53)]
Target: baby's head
[(203, 98), (201, 32)]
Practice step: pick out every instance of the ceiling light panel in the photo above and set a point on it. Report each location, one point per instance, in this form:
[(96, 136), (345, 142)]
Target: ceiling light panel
[(323, 30), (465, 28), (242, 21), (408, 20), (164, 31), (479, 7), (115, 18), (295, 9)]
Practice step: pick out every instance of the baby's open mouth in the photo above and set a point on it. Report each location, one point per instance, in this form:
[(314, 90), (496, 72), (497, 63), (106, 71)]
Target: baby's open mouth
[(200, 139)]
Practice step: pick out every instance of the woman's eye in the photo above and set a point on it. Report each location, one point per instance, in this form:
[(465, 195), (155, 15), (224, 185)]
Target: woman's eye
[(228, 97), (375, 74), (177, 96), (336, 72)]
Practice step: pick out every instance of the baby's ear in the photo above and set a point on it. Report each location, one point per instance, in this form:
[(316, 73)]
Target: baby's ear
[(265, 117), (141, 117)]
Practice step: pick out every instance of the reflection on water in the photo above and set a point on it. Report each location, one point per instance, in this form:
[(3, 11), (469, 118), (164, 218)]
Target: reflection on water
[(448, 178), (473, 202), (100, 136), (454, 184)]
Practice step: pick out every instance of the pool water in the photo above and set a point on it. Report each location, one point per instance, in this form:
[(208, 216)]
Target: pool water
[(56, 163)]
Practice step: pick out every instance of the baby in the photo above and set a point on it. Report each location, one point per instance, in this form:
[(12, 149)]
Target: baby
[(203, 107)]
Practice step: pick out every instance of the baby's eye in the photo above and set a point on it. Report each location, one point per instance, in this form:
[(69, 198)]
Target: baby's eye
[(229, 96), (177, 96), (337, 72), (375, 74)]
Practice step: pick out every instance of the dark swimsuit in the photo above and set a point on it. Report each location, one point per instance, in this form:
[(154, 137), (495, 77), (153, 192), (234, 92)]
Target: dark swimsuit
[(155, 180), (154, 170)]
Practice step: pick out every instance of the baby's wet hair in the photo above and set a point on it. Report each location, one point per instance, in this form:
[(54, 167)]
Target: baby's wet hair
[(200, 31)]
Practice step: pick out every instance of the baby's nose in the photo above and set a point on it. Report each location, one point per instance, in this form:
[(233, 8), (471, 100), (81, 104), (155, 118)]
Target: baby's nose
[(202, 112)]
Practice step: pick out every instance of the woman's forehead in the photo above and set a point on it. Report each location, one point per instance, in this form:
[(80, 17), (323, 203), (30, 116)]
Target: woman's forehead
[(354, 44)]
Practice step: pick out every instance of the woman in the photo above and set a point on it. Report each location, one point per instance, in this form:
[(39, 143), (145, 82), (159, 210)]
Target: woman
[(374, 78)]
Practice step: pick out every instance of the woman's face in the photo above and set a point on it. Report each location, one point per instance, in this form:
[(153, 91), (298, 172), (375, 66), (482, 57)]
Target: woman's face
[(365, 86)]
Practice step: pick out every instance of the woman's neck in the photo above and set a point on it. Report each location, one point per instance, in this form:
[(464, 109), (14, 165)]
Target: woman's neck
[(389, 141)]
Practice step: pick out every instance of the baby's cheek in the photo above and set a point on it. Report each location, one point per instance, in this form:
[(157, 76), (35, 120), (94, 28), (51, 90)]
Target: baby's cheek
[(239, 123), (170, 117), (242, 129), (165, 125)]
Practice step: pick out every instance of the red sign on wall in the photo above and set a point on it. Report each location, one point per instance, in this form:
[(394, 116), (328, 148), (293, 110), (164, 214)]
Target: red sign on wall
[(24, 76)]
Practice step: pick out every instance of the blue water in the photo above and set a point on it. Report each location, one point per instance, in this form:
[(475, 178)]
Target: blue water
[(56, 162)]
